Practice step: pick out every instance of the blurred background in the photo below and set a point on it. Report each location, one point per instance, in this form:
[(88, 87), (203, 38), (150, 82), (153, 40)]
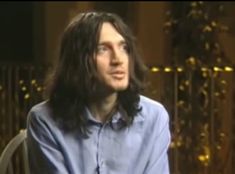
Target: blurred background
[(188, 46)]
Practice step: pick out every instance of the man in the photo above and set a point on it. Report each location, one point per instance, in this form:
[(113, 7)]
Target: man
[(95, 121)]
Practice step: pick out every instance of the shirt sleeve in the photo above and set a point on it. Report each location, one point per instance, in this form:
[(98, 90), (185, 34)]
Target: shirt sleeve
[(44, 152), (158, 162)]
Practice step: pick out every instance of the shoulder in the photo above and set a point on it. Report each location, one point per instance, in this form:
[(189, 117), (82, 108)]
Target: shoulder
[(42, 108), (146, 101), (149, 105), (39, 112), (153, 111), (40, 121)]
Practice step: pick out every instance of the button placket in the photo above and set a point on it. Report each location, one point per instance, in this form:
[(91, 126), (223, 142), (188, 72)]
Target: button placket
[(100, 161)]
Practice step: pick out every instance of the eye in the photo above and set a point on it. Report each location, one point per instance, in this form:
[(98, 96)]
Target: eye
[(102, 49), (124, 47)]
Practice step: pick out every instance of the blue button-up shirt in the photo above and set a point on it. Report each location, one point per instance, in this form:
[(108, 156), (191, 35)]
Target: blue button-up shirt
[(138, 149)]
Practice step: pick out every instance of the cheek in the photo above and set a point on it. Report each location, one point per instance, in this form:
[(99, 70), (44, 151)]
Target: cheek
[(101, 65), (101, 70), (130, 67)]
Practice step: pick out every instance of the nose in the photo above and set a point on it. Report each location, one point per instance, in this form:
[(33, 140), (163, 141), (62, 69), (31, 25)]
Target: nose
[(117, 57)]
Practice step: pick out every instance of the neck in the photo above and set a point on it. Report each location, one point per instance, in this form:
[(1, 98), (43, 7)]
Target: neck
[(103, 109)]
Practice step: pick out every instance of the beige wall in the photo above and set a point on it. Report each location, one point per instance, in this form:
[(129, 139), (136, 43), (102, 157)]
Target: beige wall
[(148, 19), (150, 22), (56, 17)]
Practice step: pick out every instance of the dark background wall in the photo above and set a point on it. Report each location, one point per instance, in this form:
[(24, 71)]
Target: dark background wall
[(16, 31)]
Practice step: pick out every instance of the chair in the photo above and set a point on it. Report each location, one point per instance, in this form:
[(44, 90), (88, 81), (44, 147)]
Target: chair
[(19, 141)]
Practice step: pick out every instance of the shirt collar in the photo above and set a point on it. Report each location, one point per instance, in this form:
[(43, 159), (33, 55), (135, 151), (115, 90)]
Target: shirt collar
[(122, 113), (118, 116), (89, 116)]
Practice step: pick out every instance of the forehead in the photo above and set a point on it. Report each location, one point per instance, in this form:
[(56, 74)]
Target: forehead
[(109, 33)]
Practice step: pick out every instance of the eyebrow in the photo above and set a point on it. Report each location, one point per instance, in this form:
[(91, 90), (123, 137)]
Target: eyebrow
[(108, 42)]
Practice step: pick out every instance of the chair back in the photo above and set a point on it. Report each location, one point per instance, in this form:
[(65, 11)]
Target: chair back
[(19, 141)]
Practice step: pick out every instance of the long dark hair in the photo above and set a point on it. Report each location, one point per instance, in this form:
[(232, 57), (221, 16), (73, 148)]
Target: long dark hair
[(74, 80)]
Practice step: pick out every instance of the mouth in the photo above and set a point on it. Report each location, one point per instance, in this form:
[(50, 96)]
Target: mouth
[(118, 74)]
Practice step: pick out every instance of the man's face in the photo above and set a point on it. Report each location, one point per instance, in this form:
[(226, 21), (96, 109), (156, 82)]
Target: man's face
[(112, 59)]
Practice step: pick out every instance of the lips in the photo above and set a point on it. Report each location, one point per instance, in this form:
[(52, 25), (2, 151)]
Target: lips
[(118, 74)]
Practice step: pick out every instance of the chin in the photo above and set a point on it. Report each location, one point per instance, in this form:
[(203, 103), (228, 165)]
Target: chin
[(117, 86), (120, 88)]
